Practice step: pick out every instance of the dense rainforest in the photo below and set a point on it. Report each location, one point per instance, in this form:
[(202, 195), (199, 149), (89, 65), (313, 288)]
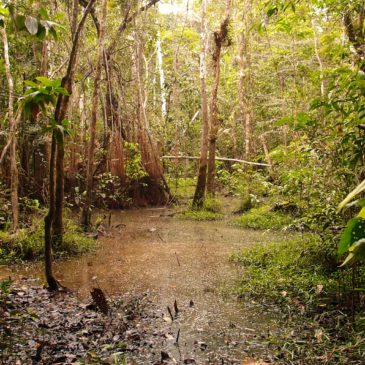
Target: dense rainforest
[(182, 182)]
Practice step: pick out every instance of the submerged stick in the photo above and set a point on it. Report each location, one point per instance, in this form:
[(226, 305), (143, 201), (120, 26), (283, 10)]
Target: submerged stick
[(170, 313), (176, 308)]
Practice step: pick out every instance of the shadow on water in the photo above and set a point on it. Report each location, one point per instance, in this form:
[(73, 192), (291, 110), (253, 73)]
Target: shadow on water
[(148, 251)]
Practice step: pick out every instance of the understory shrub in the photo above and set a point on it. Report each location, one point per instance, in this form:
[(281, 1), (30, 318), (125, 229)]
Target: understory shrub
[(212, 210), (264, 218), (28, 243), (297, 269), (212, 205)]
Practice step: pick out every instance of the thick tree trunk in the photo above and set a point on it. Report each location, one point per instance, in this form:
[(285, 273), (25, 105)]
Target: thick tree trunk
[(202, 173), (220, 38), (157, 191), (14, 175), (86, 212)]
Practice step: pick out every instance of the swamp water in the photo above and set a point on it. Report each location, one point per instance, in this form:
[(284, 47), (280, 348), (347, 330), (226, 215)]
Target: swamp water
[(147, 251)]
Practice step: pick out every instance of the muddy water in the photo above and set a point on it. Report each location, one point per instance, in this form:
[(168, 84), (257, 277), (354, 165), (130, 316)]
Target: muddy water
[(148, 251)]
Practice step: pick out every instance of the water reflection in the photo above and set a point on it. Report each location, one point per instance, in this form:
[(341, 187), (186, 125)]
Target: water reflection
[(146, 250)]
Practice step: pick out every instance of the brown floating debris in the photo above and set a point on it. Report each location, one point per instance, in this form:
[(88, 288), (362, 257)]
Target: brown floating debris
[(100, 300)]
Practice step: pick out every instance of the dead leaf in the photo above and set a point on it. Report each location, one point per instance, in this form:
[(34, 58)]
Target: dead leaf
[(319, 289), (318, 334)]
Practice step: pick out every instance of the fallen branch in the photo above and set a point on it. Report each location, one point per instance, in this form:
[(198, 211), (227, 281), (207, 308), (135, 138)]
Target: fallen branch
[(217, 158)]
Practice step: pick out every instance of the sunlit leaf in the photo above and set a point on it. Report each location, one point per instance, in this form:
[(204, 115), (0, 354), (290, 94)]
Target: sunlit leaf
[(31, 24), (356, 252), (359, 189), (19, 22), (43, 13), (354, 231)]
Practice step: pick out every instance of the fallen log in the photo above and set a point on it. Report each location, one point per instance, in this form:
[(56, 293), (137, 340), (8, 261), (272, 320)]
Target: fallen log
[(217, 158)]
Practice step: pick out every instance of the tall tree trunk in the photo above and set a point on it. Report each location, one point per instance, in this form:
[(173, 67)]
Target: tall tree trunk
[(86, 211), (14, 175), (267, 154), (220, 38), (243, 100), (161, 74), (53, 220), (41, 150), (202, 174), (355, 33), (51, 281), (318, 56), (158, 191), (57, 224)]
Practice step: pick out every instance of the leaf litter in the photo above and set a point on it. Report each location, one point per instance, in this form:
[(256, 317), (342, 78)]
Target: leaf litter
[(40, 327)]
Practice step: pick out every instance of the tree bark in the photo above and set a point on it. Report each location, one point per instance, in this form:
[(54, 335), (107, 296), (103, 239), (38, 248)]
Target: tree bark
[(318, 56), (86, 211), (53, 284), (356, 35), (157, 185), (159, 57), (41, 150), (14, 175), (243, 100), (199, 195), (220, 38), (266, 153), (60, 115), (53, 221)]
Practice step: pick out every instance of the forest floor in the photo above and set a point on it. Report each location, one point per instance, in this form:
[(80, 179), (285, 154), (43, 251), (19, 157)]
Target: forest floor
[(151, 258), (170, 285)]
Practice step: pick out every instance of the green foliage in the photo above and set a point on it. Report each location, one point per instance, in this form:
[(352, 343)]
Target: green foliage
[(282, 271), (247, 202), (264, 218), (109, 192), (28, 243), (134, 169), (41, 94), (5, 207), (353, 236), (212, 210), (39, 26), (4, 292), (200, 215), (212, 205), (5, 286), (243, 181), (4, 12), (182, 187)]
